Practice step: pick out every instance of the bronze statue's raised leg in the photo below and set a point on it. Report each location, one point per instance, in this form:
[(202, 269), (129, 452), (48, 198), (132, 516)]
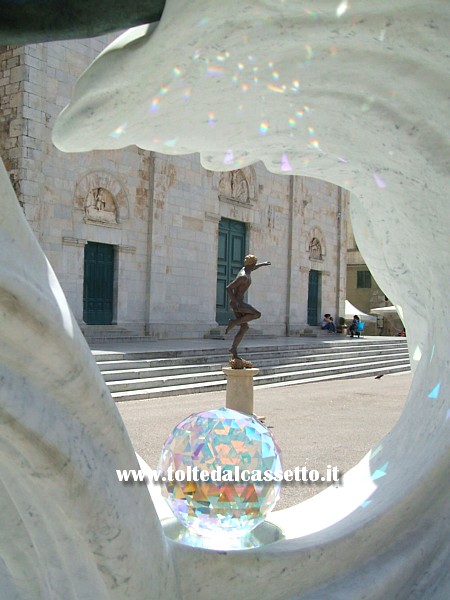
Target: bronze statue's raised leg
[(231, 324), (238, 338)]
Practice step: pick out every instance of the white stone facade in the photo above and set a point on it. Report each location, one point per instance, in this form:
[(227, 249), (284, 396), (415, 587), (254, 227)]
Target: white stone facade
[(161, 213)]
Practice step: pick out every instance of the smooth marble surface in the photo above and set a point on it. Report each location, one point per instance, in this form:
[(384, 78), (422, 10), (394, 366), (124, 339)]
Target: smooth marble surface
[(353, 93), (69, 528)]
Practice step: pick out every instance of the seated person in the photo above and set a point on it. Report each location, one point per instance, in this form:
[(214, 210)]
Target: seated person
[(354, 326), (327, 323)]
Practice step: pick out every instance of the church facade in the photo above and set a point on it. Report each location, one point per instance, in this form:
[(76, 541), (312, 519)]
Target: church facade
[(147, 242)]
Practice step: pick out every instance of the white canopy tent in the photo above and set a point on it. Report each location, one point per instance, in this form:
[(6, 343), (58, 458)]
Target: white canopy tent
[(351, 310), (383, 311)]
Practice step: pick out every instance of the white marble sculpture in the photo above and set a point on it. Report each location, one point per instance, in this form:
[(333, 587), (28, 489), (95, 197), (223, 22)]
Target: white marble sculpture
[(353, 93)]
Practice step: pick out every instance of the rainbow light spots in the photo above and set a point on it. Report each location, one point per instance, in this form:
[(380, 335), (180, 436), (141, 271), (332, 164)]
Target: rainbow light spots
[(214, 71), (314, 144), (241, 66), (212, 119), (119, 130), (435, 392), (154, 106), (309, 53), (285, 165), (341, 9), (202, 22), (244, 87), (432, 352), (163, 90), (380, 183), (292, 123), (306, 109), (229, 157), (171, 143), (176, 71), (312, 13), (274, 88), (296, 84), (186, 95), (381, 472), (275, 75), (263, 127), (299, 114)]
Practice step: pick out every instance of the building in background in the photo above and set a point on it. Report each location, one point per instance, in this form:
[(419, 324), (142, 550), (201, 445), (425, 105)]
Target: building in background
[(144, 243)]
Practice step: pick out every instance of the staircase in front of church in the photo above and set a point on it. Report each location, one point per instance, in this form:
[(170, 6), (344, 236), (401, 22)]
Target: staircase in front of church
[(153, 374)]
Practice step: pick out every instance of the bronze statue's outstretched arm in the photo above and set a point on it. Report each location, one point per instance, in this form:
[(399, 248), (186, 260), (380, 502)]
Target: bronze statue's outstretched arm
[(263, 264)]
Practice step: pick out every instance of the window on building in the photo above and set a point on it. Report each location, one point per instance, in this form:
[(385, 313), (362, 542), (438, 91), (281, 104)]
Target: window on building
[(363, 279)]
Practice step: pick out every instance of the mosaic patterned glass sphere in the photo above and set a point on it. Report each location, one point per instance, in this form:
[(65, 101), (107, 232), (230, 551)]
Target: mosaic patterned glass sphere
[(235, 446)]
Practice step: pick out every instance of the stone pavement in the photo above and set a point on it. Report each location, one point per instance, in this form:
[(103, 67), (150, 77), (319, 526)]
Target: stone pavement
[(317, 424)]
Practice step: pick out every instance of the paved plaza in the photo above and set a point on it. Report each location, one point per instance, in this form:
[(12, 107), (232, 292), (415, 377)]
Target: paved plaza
[(315, 424)]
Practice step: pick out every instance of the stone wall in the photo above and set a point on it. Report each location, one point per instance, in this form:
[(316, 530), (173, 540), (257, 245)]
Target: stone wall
[(160, 213), (12, 73), (54, 187), (282, 216)]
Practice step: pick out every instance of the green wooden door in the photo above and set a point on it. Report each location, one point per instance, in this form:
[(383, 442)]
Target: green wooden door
[(232, 237), (98, 284), (313, 297)]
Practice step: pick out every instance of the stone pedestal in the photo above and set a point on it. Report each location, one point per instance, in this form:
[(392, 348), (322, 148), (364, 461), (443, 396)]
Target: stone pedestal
[(240, 389)]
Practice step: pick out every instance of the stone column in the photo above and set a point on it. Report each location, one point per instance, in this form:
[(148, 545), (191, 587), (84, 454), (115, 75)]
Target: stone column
[(240, 389)]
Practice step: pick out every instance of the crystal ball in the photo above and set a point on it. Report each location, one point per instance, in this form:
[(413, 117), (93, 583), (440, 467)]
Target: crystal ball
[(220, 473)]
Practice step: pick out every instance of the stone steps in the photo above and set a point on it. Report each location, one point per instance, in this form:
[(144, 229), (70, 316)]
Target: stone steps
[(152, 374), (204, 355), (97, 334), (146, 370)]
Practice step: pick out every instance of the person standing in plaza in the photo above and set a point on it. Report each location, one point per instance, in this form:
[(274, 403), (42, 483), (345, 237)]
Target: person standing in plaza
[(354, 326)]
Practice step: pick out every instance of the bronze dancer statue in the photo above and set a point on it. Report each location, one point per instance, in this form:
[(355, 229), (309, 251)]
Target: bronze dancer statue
[(243, 312)]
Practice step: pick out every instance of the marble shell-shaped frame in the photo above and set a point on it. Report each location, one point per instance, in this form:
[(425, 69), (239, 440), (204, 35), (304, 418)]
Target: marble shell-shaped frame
[(355, 95)]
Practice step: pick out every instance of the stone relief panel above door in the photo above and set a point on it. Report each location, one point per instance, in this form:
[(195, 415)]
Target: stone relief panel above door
[(238, 186), (100, 206), (315, 245), (102, 199)]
